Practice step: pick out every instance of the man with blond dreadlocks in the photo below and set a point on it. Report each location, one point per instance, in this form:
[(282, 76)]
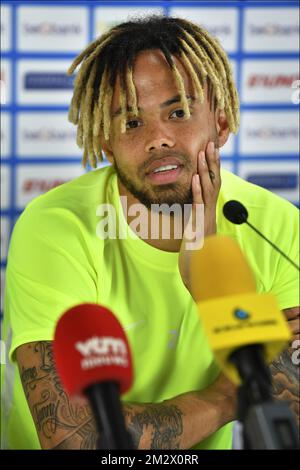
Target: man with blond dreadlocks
[(156, 96)]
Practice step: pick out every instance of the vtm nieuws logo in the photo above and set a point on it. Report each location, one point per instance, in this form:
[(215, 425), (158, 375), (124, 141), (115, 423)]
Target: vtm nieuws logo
[(102, 351), (241, 314)]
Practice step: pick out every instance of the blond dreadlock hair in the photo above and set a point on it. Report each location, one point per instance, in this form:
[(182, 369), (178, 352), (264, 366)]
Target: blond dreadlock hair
[(112, 56)]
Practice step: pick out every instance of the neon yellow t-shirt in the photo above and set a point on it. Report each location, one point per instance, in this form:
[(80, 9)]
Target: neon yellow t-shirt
[(56, 260)]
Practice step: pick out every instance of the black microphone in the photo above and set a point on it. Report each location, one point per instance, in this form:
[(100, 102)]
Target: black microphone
[(236, 213)]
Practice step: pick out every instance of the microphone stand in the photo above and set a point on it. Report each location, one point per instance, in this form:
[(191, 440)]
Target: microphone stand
[(267, 424), (107, 410)]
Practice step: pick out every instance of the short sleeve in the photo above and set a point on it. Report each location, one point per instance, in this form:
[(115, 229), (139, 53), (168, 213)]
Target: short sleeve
[(286, 280), (50, 269)]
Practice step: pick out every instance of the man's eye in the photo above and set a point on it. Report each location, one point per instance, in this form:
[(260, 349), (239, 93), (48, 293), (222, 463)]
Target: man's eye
[(179, 113), (132, 124)]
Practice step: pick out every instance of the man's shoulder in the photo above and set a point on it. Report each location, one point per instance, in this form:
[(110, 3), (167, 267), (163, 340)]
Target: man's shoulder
[(66, 210), (80, 191), (258, 200)]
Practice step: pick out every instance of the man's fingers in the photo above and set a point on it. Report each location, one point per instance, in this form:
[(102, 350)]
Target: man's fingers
[(209, 171), (194, 227), (196, 189), (294, 326)]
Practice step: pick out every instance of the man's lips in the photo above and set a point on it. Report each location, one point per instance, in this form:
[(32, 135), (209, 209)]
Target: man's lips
[(163, 162)]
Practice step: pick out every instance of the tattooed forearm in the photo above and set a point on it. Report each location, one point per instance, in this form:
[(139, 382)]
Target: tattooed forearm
[(285, 376), (284, 369), (57, 419), (154, 426), (62, 423), (85, 437)]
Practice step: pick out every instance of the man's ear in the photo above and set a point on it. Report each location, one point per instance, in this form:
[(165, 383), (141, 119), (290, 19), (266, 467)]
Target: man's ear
[(105, 144), (222, 126)]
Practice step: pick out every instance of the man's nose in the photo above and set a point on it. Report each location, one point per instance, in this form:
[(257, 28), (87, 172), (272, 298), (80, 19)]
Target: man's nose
[(159, 140)]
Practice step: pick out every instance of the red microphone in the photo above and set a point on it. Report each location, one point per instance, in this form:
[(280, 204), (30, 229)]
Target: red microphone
[(93, 359)]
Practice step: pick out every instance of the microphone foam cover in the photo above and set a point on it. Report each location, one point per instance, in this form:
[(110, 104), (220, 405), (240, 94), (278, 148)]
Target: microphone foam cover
[(235, 212), (90, 347), (220, 269)]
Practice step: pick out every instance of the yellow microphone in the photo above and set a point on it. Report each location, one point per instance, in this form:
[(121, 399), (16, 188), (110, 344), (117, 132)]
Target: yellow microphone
[(234, 315)]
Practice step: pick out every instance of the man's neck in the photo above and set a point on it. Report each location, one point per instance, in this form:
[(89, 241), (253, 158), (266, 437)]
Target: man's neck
[(161, 231)]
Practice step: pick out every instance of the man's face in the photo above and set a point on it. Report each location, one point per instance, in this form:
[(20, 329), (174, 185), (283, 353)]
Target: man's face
[(160, 137)]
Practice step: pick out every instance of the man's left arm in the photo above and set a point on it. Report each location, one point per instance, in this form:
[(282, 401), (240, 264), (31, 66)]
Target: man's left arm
[(285, 368)]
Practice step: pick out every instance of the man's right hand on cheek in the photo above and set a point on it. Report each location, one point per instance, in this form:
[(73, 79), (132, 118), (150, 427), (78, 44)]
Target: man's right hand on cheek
[(206, 185)]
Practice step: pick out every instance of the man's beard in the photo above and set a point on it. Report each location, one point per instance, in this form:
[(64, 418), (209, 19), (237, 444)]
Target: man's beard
[(169, 194)]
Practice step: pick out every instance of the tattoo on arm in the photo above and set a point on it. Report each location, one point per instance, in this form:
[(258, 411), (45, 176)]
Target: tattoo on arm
[(285, 376), (85, 435), (57, 419), (162, 422), (65, 424), (285, 371)]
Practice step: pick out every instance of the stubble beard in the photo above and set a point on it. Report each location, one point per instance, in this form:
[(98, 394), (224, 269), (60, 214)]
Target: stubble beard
[(172, 193)]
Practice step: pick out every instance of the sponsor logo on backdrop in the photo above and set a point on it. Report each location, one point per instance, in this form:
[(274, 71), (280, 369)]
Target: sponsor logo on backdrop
[(219, 29), (271, 29), (41, 185), (33, 180), (50, 29), (44, 82), (269, 133), (48, 81), (274, 181), (280, 177), (266, 132), (107, 17), (271, 81), (223, 25), (48, 135)]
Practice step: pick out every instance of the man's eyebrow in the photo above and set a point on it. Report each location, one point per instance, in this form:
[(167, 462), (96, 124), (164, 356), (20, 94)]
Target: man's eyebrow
[(165, 104)]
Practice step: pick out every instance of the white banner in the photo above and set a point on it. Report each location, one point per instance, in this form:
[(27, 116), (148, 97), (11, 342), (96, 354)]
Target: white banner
[(5, 82), (5, 225), (219, 22), (43, 134), (5, 134), (5, 28), (107, 17), (271, 29), (44, 82), (269, 81), (281, 178), (5, 186), (33, 180), (269, 133), (47, 28)]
